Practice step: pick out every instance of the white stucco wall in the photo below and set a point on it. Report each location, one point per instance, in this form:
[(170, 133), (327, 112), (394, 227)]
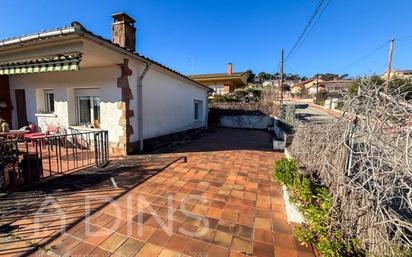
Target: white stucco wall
[(64, 85), (168, 103)]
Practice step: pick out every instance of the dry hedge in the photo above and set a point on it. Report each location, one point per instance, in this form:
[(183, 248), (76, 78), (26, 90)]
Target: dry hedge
[(365, 159)]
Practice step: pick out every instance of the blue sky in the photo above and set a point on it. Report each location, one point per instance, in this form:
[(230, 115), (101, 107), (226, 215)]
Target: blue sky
[(202, 36)]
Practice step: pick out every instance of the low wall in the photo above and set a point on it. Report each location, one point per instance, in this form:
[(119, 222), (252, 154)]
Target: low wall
[(154, 143), (246, 121)]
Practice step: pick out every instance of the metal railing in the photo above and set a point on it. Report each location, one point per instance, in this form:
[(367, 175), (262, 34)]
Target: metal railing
[(25, 161)]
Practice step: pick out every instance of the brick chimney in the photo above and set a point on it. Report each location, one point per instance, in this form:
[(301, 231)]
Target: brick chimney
[(123, 31), (229, 69)]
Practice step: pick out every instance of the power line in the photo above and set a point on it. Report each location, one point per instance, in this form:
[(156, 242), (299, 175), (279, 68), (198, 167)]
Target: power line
[(290, 68), (311, 28), (366, 55), (308, 24)]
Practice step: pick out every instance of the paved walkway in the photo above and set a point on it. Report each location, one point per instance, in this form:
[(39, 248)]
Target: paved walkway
[(312, 114), (221, 202)]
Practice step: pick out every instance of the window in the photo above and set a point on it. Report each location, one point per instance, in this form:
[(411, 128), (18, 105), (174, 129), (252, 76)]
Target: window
[(197, 109), (219, 91), (48, 101), (88, 110), (87, 102)]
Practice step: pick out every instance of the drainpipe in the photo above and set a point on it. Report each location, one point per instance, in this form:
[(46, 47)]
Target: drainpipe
[(140, 105)]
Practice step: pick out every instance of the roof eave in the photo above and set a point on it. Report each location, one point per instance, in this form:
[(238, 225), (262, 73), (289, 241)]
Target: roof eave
[(135, 55), (80, 30)]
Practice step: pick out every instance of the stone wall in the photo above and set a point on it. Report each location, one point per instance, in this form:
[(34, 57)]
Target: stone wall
[(124, 106)]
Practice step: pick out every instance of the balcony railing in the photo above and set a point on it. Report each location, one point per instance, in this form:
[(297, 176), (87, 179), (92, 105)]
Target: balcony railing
[(25, 161)]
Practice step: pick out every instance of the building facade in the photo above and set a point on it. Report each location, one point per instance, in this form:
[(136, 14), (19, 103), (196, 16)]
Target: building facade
[(222, 83), (76, 80)]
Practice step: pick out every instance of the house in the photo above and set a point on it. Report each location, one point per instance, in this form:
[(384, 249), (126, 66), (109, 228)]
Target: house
[(71, 78), (275, 83), (314, 85), (311, 86), (337, 85), (222, 83), (402, 74)]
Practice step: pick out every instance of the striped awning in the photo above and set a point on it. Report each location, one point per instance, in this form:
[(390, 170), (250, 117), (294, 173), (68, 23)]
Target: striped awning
[(68, 62)]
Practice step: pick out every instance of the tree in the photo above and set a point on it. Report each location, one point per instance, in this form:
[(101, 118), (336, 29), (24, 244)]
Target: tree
[(327, 76), (401, 86), (286, 87), (344, 76), (354, 87), (264, 76), (291, 76), (250, 76), (395, 86)]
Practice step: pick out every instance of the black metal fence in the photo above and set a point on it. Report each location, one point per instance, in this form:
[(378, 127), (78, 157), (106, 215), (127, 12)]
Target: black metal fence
[(26, 161)]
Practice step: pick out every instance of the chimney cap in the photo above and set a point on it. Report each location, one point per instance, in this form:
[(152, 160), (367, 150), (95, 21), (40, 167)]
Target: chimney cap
[(122, 16)]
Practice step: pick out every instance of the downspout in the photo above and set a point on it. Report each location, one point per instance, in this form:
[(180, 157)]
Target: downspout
[(140, 105)]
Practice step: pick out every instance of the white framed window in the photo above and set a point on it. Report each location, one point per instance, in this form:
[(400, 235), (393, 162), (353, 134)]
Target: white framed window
[(197, 108), (48, 101), (219, 91), (88, 107)]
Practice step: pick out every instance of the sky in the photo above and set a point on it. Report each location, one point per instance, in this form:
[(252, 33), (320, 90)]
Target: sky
[(202, 36)]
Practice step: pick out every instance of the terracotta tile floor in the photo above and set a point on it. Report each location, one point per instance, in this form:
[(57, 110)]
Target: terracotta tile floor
[(221, 202)]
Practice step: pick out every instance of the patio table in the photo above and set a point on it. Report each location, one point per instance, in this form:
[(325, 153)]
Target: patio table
[(13, 134), (36, 135)]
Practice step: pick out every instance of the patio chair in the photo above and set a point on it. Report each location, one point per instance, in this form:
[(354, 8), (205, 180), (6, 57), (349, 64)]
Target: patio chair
[(32, 127), (52, 130)]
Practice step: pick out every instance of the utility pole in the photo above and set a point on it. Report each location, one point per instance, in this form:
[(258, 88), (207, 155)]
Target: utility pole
[(390, 58), (281, 77)]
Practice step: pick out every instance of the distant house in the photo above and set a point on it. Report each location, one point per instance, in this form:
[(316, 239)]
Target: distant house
[(402, 74), (310, 86), (337, 85), (222, 83), (71, 78), (275, 83), (314, 85)]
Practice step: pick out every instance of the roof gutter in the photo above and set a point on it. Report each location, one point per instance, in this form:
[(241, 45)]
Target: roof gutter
[(140, 105), (41, 35)]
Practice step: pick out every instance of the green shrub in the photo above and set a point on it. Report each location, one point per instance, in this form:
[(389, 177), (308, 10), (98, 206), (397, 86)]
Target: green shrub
[(226, 98), (320, 97), (315, 202), (241, 93), (286, 171), (321, 102), (339, 106)]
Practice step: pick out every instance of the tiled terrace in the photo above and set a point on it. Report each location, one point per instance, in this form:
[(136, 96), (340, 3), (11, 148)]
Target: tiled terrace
[(221, 202)]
